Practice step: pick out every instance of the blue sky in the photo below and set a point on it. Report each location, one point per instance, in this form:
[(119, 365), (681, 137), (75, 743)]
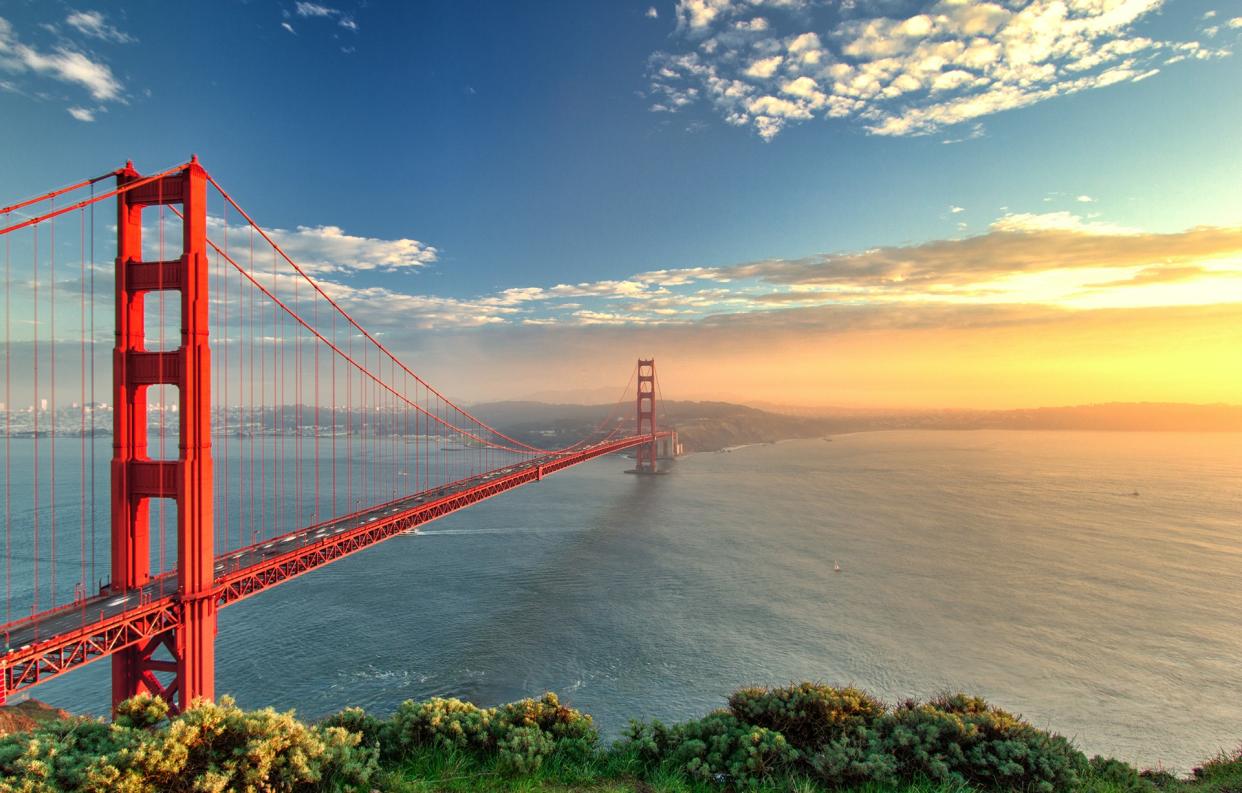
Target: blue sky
[(548, 158)]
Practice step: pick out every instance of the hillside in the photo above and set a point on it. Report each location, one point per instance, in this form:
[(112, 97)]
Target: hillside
[(708, 426), (702, 426)]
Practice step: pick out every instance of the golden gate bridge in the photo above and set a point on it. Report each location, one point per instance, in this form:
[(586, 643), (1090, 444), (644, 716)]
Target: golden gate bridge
[(258, 432)]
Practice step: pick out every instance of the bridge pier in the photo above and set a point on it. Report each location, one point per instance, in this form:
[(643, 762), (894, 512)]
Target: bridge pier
[(136, 478)]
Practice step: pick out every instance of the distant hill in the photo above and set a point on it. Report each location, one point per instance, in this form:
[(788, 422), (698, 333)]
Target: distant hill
[(708, 426), (1122, 416)]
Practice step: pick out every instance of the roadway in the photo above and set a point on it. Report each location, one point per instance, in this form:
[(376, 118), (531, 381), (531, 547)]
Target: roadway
[(23, 633)]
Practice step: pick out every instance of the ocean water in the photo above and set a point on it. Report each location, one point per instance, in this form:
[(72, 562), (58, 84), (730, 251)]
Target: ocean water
[(1016, 565)]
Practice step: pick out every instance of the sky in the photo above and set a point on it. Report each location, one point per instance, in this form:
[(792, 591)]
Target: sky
[(807, 202)]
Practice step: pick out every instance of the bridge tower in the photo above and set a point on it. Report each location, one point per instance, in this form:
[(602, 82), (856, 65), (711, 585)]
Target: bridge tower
[(187, 480), (645, 455)]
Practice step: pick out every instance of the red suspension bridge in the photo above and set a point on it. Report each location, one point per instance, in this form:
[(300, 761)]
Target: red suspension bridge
[(258, 431)]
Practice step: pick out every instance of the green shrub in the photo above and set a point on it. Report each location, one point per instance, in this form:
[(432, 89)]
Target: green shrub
[(859, 756), (142, 712), (374, 733), (522, 749), (463, 726), (649, 742), (61, 755), (445, 723), (211, 748), (1223, 772), (962, 740), (1118, 777), (809, 715), (572, 731), (219, 747), (716, 748)]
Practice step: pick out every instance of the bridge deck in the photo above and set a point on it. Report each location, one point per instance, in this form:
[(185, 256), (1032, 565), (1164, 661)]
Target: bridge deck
[(51, 643)]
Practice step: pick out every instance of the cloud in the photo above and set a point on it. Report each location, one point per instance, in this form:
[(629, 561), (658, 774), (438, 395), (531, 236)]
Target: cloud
[(288, 27), (1056, 221), (956, 209), (1054, 259), (1156, 275), (1085, 199), (315, 10), (953, 62), (62, 63), (328, 249), (652, 13), (986, 267), (82, 113), (698, 15), (92, 23)]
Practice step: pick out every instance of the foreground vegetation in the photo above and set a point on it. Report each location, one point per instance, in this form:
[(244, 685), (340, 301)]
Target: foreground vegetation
[(801, 739)]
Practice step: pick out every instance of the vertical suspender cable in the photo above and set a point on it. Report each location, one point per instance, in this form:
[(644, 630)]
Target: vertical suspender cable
[(82, 404), (37, 407), (8, 426), (51, 270), (94, 403)]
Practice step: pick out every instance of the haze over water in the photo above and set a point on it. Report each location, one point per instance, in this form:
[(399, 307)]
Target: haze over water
[(1016, 565)]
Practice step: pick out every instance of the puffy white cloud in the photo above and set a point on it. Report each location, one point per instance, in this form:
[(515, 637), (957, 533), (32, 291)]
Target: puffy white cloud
[(82, 113), (954, 61), (698, 15), (652, 13), (764, 67), (329, 249), (62, 63)]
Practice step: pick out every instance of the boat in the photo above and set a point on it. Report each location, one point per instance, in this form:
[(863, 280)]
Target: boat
[(836, 566)]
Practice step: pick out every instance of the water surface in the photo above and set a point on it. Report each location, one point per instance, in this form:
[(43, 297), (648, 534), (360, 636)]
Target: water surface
[(1017, 565)]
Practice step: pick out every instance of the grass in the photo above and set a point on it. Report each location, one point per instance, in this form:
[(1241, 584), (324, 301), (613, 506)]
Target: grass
[(431, 770)]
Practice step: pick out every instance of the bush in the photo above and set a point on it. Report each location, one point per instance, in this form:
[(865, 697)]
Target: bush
[(219, 747), (142, 712), (60, 755), (213, 747), (1223, 771), (796, 737), (1119, 777), (962, 740), (445, 723), (374, 733), (572, 731), (522, 749), (714, 748), (859, 756), (809, 715)]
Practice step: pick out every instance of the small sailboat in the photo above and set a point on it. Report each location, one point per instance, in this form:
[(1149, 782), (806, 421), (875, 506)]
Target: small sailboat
[(836, 566)]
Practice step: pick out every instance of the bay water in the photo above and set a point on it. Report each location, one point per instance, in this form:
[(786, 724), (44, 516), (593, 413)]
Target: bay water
[(1089, 581)]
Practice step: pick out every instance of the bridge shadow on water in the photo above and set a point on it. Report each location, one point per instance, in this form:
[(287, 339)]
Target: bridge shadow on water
[(583, 588)]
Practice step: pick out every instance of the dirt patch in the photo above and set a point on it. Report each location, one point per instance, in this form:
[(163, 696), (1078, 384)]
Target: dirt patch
[(25, 716)]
